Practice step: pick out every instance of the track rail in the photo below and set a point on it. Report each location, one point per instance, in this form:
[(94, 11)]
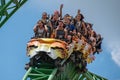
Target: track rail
[(8, 8)]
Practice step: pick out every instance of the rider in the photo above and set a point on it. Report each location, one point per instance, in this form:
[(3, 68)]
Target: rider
[(60, 32), (39, 30)]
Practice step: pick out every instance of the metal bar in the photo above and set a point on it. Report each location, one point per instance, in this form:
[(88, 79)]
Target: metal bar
[(81, 77), (41, 78), (97, 76), (11, 13), (20, 1), (1, 17), (53, 74), (26, 75), (2, 2), (32, 74), (46, 71), (42, 73), (11, 7), (5, 6), (76, 76), (37, 71), (87, 76)]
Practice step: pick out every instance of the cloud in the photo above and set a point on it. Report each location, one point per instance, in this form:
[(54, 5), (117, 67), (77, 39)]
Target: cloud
[(112, 42), (109, 29), (116, 56), (115, 52)]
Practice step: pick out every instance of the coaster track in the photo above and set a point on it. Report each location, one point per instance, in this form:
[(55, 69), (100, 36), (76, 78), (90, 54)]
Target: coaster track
[(47, 72), (8, 8)]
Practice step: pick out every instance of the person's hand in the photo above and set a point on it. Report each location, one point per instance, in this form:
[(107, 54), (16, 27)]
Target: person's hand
[(78, 11), (61, 6), (74, 32), (78, 34), (70, 31)]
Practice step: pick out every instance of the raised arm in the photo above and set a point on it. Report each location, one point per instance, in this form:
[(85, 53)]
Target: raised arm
[(78, 11), (61, 7)]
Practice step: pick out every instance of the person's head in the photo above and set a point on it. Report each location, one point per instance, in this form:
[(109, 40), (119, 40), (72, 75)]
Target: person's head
[(98, 35), (61, 24), (66, 16), (56, 12), (68, 20), (44, 15), (94, 34), (69, 37), (79, 17), (89, 26), (79, 34), (40, 23), (56, 15)]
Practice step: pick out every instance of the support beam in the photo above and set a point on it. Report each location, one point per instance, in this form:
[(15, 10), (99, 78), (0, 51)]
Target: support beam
[(26, 75), (43, 72), (8, 8)]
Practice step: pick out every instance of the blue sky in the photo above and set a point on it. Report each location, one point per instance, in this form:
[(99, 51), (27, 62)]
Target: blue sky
[(104, 14)]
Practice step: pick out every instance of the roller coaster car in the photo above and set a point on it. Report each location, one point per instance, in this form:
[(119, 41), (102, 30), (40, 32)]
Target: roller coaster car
[(46, 50), (54, 48), (54, 51)]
